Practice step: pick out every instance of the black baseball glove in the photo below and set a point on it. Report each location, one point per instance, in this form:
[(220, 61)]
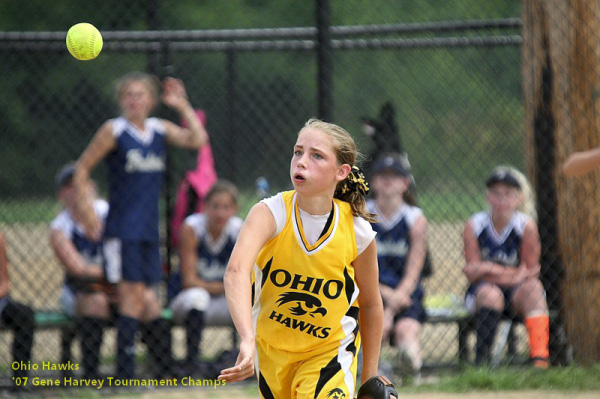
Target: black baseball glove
[(377, 388), (90, 285)]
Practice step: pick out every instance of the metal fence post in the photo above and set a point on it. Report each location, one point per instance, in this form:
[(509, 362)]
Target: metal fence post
[(231, 110), (324, 59)]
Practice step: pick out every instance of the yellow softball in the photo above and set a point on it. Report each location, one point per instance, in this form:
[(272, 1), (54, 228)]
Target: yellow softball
[(84, 41)]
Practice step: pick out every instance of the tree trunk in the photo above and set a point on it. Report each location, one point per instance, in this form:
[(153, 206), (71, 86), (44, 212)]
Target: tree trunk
[(561, 76)]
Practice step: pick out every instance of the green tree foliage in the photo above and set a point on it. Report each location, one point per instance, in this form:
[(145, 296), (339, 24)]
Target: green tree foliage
[(447, 100)]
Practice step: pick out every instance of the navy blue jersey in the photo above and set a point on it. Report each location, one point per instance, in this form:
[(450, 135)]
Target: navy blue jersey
[(135, 174), (503, 247), (213, 255), (393, 242), (89, 250)]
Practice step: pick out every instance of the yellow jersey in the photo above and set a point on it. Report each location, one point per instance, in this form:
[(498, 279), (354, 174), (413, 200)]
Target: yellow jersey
[(305, 295)]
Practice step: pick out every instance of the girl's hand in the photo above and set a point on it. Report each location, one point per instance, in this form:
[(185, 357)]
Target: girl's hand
[(386, 292), (400, 300), (477, 270), (244, 366), (174, 95), (388, 323), (521, 276), (534, 272)]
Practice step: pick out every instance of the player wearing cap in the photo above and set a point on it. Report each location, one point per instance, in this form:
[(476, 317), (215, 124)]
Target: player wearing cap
[(401, 248), (82, 295), (17, 317), (502, 251)]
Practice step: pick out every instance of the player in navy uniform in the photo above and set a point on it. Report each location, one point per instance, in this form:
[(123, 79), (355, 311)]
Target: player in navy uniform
[(206, 242), (134, 148), (83, 294), (19, 318), (502, 250), (401, 247)]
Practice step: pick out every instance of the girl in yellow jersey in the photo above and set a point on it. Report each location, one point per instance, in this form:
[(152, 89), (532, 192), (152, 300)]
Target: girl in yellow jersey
[(304, 272)]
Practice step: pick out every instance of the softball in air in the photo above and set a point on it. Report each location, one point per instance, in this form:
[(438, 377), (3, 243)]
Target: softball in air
[(84, 41)]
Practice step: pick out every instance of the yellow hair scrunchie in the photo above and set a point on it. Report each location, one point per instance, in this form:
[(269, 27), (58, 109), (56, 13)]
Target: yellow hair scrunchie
[(355, 181)]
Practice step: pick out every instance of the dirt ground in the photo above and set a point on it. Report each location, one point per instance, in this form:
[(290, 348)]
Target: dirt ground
[(246, 393), (249, 390), (503, 395)]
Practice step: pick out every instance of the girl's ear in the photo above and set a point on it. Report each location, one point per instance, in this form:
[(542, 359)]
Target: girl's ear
[(61, 195), (406, 181), (343, 172)]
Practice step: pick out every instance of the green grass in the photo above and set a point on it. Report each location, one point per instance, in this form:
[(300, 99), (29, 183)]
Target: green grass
[(438, 207), (450, 206), (34, 210), (246, 202), (571, 378), (43, 210)]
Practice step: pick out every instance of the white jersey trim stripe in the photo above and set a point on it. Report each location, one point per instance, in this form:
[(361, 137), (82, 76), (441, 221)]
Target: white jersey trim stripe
[(344, 356), (297, 229), (113, 259), (258, 277)]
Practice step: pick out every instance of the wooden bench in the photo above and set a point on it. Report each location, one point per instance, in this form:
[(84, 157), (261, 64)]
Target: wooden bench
[(449, 309), (452, 312), (55, 319)]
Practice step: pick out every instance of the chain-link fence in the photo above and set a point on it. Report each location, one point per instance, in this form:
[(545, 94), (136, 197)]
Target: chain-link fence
[(449, 75)]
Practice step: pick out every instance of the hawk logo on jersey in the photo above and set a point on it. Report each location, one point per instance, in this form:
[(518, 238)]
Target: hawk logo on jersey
[(305, 302), (299, 298), (336, 393)]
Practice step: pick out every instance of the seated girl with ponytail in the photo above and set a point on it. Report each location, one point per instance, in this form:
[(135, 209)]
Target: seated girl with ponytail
[(502, 251)]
